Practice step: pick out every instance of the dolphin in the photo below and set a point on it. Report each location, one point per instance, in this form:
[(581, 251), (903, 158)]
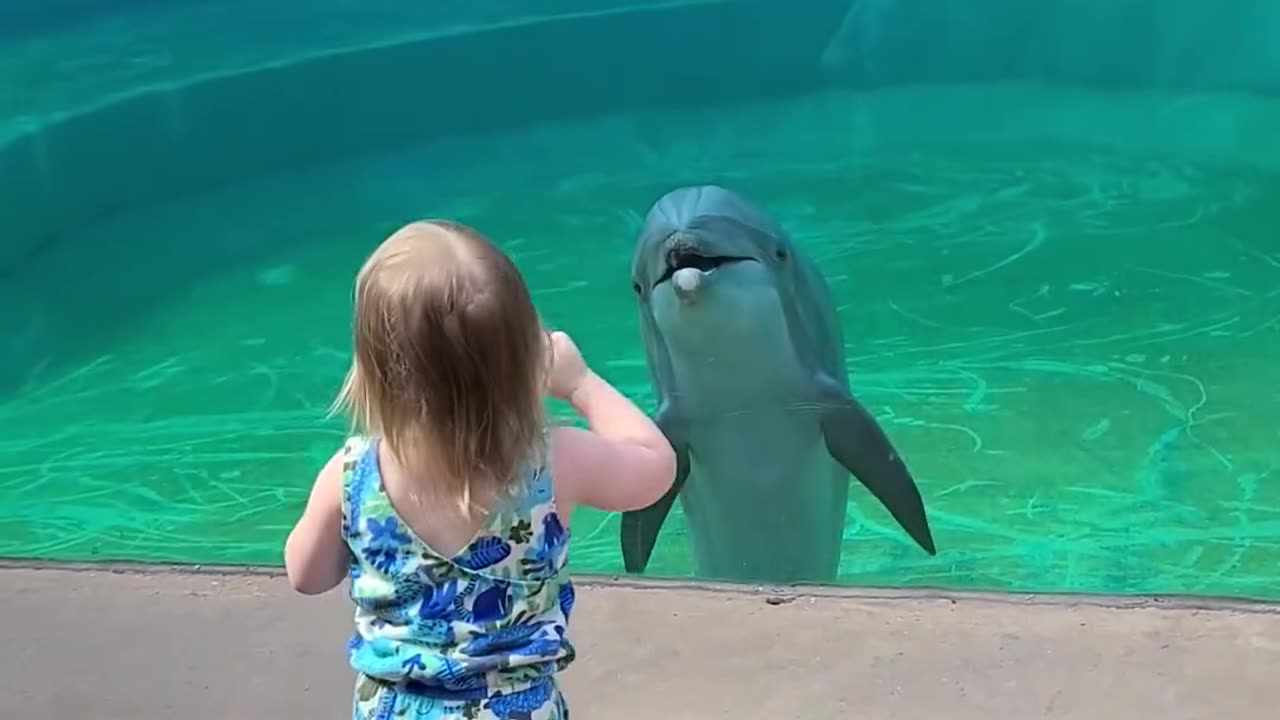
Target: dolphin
[(747, 360)]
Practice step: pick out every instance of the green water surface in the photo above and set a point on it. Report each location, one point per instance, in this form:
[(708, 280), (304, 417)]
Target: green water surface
[(1073, 348)]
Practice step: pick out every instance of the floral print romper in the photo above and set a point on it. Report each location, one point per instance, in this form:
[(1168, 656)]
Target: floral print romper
[(477, 636)]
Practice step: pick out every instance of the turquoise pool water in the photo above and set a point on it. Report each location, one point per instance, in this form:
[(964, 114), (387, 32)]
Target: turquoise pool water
[(1068, 344), (1050, 236)]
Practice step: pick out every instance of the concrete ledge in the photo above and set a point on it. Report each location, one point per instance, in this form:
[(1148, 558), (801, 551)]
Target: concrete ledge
[(771, 594), (138, 646), (164, 142)]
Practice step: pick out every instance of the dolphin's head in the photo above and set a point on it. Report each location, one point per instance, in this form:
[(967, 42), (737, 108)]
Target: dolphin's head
[(710, 264)]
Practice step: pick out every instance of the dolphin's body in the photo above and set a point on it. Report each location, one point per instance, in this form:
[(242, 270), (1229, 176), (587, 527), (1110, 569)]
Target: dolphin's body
[(748, 365)]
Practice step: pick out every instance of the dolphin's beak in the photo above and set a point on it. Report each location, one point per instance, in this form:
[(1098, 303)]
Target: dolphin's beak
[(680, 259)]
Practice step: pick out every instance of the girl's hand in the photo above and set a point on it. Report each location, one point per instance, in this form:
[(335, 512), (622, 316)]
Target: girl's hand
[(567, 366)]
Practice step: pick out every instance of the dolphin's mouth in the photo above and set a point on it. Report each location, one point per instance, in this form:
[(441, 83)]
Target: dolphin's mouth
[(679, 259)]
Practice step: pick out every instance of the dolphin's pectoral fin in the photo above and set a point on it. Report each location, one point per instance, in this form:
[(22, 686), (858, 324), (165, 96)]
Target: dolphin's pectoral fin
[(640, 527), (857, 442)]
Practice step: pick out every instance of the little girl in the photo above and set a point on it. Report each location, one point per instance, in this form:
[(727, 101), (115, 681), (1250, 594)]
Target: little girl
[(448, 509)]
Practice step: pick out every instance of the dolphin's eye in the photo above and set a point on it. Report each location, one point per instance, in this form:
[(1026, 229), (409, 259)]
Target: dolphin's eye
[(635, 287), (780, 253)]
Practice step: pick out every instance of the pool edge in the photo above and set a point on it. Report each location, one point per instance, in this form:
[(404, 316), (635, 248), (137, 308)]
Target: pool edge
[(773, 594)]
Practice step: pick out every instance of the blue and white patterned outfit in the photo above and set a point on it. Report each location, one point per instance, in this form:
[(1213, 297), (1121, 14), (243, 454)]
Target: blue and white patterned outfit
[(477, 636)]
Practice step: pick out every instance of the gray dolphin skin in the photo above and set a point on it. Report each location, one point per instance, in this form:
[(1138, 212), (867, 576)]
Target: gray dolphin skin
[(748, 364)]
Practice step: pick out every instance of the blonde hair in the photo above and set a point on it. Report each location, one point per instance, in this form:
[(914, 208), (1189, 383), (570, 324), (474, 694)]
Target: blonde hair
[(449, 360)]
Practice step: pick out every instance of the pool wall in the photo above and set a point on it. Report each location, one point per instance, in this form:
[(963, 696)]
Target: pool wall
[(162, 143), (1182, 45), (165, 142), (21, 17), (169, 141)]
